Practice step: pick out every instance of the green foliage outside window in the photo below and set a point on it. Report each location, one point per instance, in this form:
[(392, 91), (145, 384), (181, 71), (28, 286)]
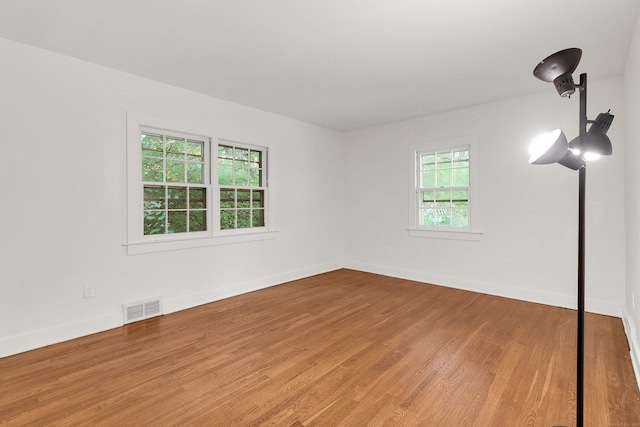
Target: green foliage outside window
[(240, 175), (170, 166), (444, 188)]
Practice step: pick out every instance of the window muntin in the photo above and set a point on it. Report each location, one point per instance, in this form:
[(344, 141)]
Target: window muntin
[(174, 182), (242, 181), (443, 189)]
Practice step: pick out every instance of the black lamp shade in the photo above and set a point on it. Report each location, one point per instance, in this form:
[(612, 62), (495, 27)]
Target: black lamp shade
[(595, 141), (592, 143), (572, 160), (558, 68), (602, 123)]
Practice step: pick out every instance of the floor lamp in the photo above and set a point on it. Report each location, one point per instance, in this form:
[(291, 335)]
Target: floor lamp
[(588, 145)]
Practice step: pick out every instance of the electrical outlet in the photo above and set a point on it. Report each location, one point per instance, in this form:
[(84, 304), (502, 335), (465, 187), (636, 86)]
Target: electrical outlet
[(89, 291)]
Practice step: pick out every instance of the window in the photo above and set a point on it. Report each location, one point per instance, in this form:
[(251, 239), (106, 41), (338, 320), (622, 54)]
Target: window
[(443, 188), (443, 191), (242, 179), (174, 182), (185, 190)]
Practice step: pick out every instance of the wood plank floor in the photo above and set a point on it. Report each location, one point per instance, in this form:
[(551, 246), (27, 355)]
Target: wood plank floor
[(344, 348)]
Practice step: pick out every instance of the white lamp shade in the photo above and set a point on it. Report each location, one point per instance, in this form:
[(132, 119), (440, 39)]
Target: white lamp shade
[(549, 148)]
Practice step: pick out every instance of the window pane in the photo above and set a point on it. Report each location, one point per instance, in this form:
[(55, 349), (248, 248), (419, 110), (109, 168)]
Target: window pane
[(154, 222), (175, 171), (460, 177), (197, 198), (177, 197), (255, 178), (257, 199), (443, 160), (227, 198), (255, 157), (244, 198), (175, 148), (225, 152), (242, 154), (460, 217), (258, 218), (152, 153), (154, 198), (151, 142), (177, 222), (428, 179), (443, 197), (460, 196), (428, 204), (224, 161), (461, 158), (428, 217), (225, 175), (195, 148), (443, 178), (244, 218), (227, 219), (443, 217), (428, 161), (197, 221), (152, 170), (242, 176), (194, 173), (428, 196)]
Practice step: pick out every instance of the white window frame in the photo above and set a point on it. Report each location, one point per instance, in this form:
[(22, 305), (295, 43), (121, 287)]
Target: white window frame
[(206, 184), (265, 187), (137, 242), (472, 232)]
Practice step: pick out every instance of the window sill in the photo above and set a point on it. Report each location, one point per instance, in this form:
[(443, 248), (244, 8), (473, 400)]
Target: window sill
[(449, 235), (150, 246)]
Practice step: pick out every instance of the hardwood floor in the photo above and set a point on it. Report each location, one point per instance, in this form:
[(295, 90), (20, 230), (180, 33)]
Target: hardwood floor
[(344, 348)]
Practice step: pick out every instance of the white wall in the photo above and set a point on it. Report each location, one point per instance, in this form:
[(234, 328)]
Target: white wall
[(632, 198), (337, 200), (63, 187), (528, 247)]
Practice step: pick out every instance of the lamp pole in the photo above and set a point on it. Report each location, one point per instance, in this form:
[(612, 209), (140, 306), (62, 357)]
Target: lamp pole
[(553, 148), (581, 255)]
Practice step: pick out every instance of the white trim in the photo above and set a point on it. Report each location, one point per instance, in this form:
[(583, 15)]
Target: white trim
[(523, 294), (474, 230), (57, 334), (445, 234), (189, 301), (136, 242), (634, 346), (145, 247)]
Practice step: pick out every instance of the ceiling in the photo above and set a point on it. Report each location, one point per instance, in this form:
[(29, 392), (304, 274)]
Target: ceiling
[(341, 64)]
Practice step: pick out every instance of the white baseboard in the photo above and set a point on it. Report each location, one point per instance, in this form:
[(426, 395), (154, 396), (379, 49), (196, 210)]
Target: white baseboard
[(44, 337), (189, 301), (21, 343), (531, 295), (634, 345)]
